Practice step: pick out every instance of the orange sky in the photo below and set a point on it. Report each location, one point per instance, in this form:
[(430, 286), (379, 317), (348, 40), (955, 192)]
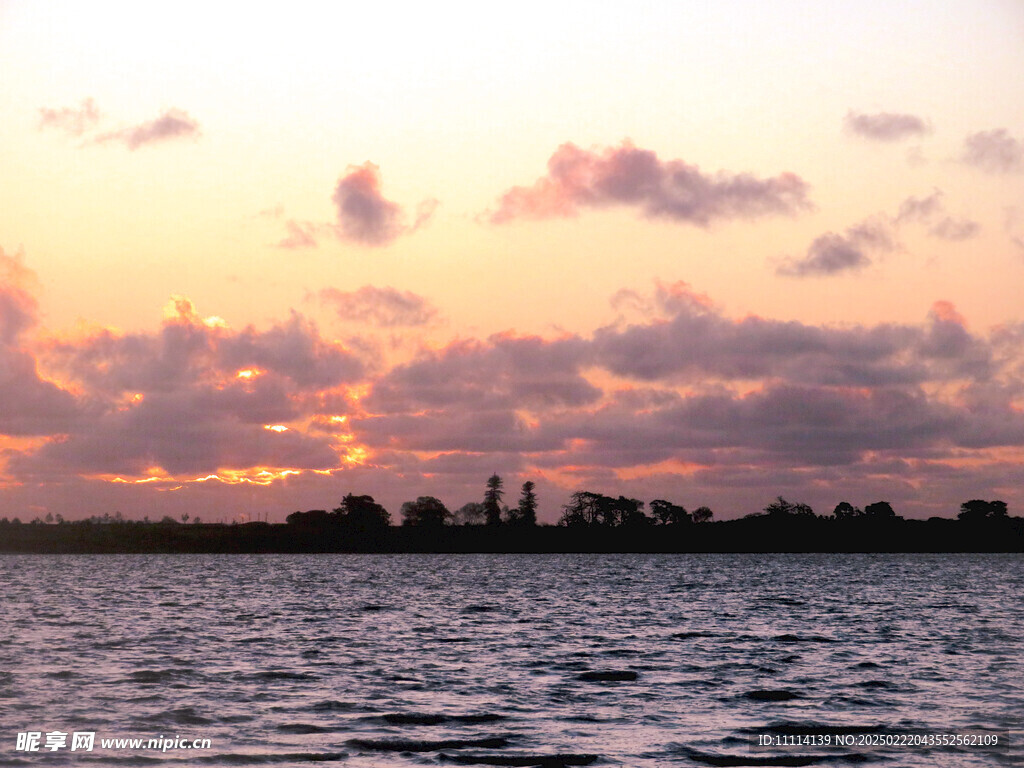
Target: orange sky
[(252, 263)]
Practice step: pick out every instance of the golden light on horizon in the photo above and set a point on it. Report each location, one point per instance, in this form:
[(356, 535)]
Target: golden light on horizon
[(255, 476)]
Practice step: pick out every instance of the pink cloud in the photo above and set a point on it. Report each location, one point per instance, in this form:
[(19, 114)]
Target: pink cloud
[(195, 397), (834, 253), (687, 404), (365, 216), (386, 307), (73, 121), (172, 124), (29, 405), (668, 189), (994, 151), (885, 126)]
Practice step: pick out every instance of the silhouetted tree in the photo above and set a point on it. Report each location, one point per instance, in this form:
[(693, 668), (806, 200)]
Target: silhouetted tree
[(702, 515), (780, 508), (492, 500), (315, 517), (845, 511), (880, 510), (629, 513), (526, 512), (471, 513), (583, 508), (977, 509), (667, 513), (425, 511), (362, 513), (596, 509)]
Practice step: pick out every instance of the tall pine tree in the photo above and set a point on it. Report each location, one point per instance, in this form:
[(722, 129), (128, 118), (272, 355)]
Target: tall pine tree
[(492, 500), (526, 514)]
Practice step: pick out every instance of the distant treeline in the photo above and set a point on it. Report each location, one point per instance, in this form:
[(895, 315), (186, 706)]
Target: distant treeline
[(590, 522)]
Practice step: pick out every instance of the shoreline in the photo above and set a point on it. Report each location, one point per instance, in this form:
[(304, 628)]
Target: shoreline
[(747, 535)]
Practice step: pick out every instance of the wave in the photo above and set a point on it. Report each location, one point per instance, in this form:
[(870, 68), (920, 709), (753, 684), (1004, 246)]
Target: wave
[(607, 676), (419, 745), (526, 761)]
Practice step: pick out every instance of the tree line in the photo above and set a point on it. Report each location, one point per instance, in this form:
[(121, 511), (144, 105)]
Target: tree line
[(592, 510), (361, 514)]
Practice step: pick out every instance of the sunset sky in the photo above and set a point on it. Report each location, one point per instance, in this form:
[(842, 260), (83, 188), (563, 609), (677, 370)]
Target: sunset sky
[(706, 252)]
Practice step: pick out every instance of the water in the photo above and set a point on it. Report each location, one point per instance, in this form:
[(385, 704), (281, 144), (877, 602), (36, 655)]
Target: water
[(405, 660)]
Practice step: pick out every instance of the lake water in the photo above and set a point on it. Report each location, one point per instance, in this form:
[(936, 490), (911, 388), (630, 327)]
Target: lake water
[(405, 660)]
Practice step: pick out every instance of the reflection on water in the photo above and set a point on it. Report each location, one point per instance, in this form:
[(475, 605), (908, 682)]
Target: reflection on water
[(403, 660)]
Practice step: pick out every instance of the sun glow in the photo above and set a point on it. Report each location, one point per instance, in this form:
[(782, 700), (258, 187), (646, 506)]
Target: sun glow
[(667, 467), (262, 476), (355, 455)]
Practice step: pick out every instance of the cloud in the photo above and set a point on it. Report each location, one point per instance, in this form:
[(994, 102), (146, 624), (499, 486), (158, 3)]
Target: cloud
[(822, 397), (994, 151), (833, 253), (71, 120), (365, 216), (686, 403), (884, 126), (300, 235), (780, 424), (31, 405), (931, 212), (172, 124), (386, 307), (698, 344), (505, 372), (197, 397), (667, 189), (181, 433)]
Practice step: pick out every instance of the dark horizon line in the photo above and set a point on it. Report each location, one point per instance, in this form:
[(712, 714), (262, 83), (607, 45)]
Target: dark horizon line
[(761, 534)]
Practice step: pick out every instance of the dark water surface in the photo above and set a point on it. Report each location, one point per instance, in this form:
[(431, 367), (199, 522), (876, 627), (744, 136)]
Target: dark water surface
[(405, 660)]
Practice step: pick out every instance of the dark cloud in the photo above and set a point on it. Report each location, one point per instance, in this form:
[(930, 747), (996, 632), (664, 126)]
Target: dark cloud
[(505, 372), (453, 429), (698, 343), (172, 124), (387, 307), (995, 151), (71, 120), (669, 189), (190, 432), (885, 126), (833, 253), (196, 397), (782, 424), (365, 215), (293, 349), (188, 351)]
